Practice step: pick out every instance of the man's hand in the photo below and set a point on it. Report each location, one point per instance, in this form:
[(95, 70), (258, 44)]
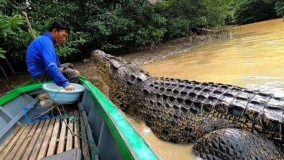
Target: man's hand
[(69, 88)]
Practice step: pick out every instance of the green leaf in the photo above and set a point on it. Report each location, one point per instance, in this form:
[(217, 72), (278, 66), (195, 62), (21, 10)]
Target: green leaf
[(2, 53)]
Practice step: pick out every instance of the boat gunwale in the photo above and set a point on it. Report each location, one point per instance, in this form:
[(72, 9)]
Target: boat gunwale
[(30, 86)]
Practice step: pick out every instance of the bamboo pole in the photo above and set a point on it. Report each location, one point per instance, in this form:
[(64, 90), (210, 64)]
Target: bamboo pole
[(29, 24)]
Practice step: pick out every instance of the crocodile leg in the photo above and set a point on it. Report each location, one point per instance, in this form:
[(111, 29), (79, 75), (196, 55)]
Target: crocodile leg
[(236, 144)]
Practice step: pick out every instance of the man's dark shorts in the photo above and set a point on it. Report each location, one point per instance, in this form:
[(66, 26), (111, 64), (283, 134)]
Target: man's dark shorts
[(67, 70), (71, 74)]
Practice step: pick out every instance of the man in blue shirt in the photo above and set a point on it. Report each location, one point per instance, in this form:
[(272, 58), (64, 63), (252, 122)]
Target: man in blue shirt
[(42, 58)]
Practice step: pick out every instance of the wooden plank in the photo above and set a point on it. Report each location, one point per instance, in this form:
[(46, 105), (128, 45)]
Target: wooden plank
[(9, 139), (76, 131), (43, 139), (46, 141), (10, 146), (69, 143), (40, 140), (33, 142), (61, 143), (85, 147), (54, 137), (26, 142), (20, 141)]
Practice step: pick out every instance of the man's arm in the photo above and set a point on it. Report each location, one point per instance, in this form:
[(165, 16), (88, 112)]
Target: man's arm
[(51, 63)]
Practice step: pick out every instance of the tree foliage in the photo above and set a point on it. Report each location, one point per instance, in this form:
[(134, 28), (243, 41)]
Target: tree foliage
[(116, 25), (13, 34), (279, 7), (220, 12), (248, 11), (181, 16)]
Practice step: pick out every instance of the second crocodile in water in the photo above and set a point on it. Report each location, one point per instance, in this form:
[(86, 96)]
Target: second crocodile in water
[(223, 121)]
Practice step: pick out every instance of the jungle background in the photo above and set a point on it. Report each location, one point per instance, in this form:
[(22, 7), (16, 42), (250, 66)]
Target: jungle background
[(120, 27)]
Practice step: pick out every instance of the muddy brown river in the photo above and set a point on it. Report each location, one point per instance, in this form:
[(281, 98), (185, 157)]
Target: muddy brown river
[(252, 57)]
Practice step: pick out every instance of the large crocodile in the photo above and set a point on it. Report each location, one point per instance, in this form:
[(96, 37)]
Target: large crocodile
[(223, 121)]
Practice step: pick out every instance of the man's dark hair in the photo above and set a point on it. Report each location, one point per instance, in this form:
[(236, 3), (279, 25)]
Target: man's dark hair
[(59, 25)]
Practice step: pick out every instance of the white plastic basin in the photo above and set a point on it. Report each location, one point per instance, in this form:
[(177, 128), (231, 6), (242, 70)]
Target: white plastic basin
[(60, 95)]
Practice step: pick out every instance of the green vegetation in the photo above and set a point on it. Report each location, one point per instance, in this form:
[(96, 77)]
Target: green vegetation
[(279, 7), (122, 25), (249, 11), (13, 36)]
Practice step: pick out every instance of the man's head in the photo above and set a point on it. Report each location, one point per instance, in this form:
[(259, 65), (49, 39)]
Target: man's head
[(59, 31)]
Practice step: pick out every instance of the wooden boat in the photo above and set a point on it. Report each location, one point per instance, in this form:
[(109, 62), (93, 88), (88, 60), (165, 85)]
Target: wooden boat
[(91, 128)]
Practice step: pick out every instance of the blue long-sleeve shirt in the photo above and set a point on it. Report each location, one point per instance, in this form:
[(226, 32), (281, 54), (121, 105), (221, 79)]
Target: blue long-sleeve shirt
[(41, 57)]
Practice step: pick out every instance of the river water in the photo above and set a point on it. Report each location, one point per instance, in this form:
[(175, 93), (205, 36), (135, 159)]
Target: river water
[(252, 56)]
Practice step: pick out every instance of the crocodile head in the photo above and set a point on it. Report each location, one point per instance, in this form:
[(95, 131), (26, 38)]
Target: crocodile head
[(119, 75), (106, 65)]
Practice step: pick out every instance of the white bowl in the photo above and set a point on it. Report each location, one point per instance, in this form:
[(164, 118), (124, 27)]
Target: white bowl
[(60, 95)]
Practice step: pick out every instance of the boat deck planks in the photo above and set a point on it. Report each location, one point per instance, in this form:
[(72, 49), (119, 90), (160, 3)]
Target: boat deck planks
[(26, 141), (76, 130), (5, 150), (44, 146), (62, 138), (69, 143), (46, 138), (52, 144), (12, 135)]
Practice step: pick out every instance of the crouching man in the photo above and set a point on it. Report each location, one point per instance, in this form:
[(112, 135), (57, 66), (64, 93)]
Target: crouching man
[(41, 57)]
